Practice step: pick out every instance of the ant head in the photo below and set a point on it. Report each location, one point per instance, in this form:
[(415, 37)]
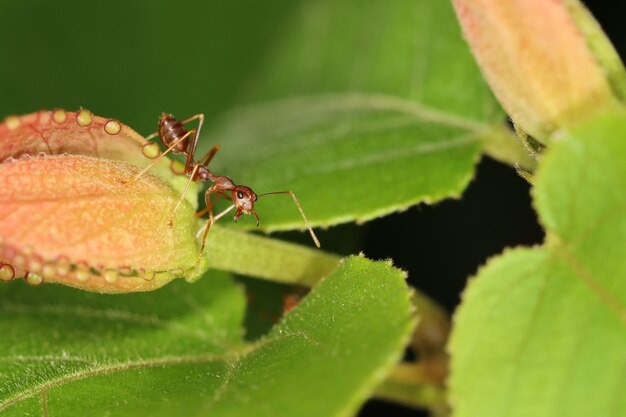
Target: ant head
[(244, 198)]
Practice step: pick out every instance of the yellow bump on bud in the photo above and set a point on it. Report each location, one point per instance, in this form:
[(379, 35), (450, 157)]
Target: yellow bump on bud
[(147, 275), (45, 117), (82, 272), (110, 276), (7, 273), (84, 118), (59, 116), (19, 260), (48, 271), (536, 61), (35, 265), (177, 167), (150, 150), (34, 279), (125, 270), (12, 122), (62, 267), (112, 127), (178, 272)]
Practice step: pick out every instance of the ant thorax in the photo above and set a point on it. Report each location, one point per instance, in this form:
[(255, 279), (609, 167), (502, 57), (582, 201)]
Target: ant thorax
[(223, 183)]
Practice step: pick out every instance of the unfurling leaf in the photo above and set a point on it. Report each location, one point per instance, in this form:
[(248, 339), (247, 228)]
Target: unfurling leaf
[(71, 219), (537, 61)]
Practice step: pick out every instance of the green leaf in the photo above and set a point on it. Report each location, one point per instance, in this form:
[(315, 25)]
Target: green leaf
[(542, 331), (348, 158), (56, 339), (179, 351), (361, 110)]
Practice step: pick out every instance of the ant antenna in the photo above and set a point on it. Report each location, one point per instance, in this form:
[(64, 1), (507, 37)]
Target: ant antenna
[(295, 200)]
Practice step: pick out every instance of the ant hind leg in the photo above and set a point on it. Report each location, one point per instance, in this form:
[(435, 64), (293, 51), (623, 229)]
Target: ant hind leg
[(206, 159), (156, 161), (194, 141)]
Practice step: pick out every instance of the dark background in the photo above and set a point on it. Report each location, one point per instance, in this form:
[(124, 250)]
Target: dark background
[(495, 212)]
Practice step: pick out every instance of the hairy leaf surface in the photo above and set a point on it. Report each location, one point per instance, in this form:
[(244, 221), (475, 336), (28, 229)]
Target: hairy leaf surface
[(544, 329), (180, 350)]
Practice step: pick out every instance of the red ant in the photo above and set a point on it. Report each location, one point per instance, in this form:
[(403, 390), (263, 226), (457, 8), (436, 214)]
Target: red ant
[(182, 141)]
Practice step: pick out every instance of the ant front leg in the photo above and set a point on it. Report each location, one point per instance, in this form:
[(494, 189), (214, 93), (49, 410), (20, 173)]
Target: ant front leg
[(209, 223), (212, 219)]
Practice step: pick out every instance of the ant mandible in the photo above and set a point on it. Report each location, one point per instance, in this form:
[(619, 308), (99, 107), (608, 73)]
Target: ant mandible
[(179, 140)]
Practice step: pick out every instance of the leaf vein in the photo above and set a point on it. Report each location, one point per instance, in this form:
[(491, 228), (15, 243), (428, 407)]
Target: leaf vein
[(107, 314), (108, 369)]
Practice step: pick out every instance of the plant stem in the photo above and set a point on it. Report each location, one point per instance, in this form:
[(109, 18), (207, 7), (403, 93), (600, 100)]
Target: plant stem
[(262, 257), (501, 144), (407, 386)]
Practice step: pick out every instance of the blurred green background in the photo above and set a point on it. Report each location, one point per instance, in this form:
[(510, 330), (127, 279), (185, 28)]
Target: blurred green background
[(133, 60)]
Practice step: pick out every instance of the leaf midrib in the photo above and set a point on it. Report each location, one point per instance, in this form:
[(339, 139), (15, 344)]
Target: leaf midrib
[(234, 356), (150, 321), (355, 101)]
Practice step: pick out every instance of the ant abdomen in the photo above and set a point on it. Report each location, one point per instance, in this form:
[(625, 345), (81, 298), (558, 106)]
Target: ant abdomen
[(170, 130)]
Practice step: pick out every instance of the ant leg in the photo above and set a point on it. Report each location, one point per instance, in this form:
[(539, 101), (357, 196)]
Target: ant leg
[(295, 200), (192, 150), (207, 208), (212, 219), (209, 156), (170, 222), (194, 117), (201, 213), (156, 161), (208, 227)]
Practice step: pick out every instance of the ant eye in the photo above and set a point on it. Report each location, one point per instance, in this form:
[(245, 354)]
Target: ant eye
[(239, 195)]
